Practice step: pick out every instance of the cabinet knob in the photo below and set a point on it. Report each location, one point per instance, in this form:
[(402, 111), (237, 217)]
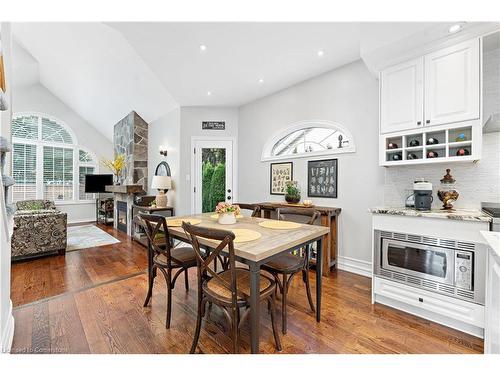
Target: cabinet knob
[(428, 121), (419, 122)]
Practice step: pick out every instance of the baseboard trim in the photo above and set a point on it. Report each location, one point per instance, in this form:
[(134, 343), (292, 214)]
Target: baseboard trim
[(82, 221), (8, 334), (360, 267)]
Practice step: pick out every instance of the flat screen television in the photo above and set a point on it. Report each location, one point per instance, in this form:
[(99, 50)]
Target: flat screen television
[(96, 183)]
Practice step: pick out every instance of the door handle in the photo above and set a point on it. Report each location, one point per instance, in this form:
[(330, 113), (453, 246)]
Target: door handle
[(229, 197)]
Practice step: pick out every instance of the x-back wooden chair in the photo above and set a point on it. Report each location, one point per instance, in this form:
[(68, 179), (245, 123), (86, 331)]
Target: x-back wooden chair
[(229, 289), (165, 258), (288, 265), (255, 208)]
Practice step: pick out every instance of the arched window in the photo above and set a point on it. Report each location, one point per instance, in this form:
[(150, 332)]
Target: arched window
[(47, 161), (307, 139)]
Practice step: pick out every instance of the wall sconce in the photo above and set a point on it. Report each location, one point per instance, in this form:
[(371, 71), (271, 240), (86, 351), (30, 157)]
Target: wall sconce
[(163, 150)]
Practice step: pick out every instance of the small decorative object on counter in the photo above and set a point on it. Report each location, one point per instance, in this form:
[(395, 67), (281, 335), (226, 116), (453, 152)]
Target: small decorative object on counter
[(447, 193), (292, 192), (432, 141), (308, 203), (432, 155), (392, 146), (397, 156), (227, 212), (463, 152), (412, 156), (461, 137), (414, 143)]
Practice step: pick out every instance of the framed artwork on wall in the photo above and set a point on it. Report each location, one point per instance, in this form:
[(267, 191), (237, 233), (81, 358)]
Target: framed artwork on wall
[(322, 178), (280, 174)]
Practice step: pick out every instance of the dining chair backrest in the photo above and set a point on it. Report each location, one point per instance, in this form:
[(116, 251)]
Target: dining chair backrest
[(155, 227), (205, 258), (310, 213), (255, 208)]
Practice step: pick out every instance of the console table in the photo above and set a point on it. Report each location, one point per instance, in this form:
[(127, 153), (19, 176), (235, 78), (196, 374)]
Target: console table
[(329, 218)]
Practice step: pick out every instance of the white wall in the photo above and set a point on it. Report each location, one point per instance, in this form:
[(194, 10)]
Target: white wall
[(191, 119), (6, 318), (349, 96), (38, 99), (165, 131)]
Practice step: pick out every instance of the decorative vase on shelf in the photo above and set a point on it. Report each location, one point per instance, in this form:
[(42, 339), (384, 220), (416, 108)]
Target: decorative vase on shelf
[(292, 192), (117, 180), (227, 218), (447, 193)]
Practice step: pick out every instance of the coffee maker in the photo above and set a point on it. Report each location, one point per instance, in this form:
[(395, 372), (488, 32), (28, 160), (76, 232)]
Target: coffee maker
[(422, 193)]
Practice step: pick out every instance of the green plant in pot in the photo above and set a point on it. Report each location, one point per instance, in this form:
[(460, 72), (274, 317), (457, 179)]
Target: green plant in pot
[(292, 192)]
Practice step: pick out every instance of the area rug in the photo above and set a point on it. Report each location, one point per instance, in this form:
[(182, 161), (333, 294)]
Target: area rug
[(85, 236)]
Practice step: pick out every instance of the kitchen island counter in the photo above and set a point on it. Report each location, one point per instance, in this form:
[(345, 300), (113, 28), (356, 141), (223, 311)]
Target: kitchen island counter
[(458, 214)]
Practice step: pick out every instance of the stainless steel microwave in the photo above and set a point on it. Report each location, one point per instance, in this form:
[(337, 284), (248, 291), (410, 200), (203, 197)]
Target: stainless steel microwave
[(445, 266)]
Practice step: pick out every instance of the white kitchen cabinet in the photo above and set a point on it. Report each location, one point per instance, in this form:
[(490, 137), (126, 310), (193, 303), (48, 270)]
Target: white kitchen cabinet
[(402, 96), (452, 84), (492, 321)]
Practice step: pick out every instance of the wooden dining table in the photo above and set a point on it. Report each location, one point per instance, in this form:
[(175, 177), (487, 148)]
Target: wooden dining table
[(271, 244)]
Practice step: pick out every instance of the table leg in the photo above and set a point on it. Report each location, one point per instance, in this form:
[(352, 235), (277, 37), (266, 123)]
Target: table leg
[(319, 272), (254, 306)]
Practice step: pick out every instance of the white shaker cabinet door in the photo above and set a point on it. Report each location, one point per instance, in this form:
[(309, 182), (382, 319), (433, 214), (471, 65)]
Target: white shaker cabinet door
[(452, 84), (402, 95), (492, 322)]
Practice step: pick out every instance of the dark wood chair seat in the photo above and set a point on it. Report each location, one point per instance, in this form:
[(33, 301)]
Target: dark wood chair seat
[(164, 258), (229, 289), (216, 289), (183, 256), (286, 263)]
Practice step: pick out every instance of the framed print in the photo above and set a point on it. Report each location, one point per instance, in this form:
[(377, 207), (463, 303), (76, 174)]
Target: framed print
[(322, 178), (281, 173)]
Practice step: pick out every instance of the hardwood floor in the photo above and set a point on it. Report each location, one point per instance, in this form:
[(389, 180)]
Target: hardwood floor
[(91, 302)]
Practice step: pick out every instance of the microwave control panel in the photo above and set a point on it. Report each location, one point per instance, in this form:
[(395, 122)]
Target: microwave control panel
[(463, 269)]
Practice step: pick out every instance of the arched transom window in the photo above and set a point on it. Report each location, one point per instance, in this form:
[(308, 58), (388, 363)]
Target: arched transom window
[(309, 138), (47, 162)]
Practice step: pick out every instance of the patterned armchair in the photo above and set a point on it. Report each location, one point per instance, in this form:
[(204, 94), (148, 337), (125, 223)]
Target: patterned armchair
[(39, 229)]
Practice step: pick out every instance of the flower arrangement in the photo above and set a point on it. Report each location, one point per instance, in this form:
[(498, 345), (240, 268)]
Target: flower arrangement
[(227, 208), (116, 165)]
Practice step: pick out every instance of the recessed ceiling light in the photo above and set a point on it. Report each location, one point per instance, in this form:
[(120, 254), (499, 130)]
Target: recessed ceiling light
[(261, 80), (209, 93), (455, 28), (321, 53), (203, 47)]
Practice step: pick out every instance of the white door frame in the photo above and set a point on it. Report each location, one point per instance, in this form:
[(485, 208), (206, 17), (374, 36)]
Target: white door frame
[(193, 176)]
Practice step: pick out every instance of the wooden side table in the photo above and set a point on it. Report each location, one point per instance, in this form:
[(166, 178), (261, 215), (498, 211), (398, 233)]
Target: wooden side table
[(137, 233), (329, 218)]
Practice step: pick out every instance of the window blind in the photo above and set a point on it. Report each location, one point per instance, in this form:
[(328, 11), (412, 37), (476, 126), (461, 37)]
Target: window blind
[(81, 177), (57, 173), (24, 171)]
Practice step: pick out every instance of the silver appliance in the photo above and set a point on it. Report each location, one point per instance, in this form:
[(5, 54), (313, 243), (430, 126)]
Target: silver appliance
[(421, 198), (492, 209), (442, 265)]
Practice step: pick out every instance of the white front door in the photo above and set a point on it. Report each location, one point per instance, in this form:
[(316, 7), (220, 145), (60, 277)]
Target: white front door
[(213, 174)]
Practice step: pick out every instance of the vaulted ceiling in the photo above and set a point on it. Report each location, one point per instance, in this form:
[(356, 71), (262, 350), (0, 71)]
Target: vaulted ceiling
[(103, 71)]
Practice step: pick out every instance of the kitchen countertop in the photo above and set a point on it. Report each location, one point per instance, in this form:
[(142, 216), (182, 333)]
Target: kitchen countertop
[(458, 214), (493, 240)]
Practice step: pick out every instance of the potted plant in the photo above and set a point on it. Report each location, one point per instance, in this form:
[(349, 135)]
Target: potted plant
[(227, 212), (292, 192), (116, 166)]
